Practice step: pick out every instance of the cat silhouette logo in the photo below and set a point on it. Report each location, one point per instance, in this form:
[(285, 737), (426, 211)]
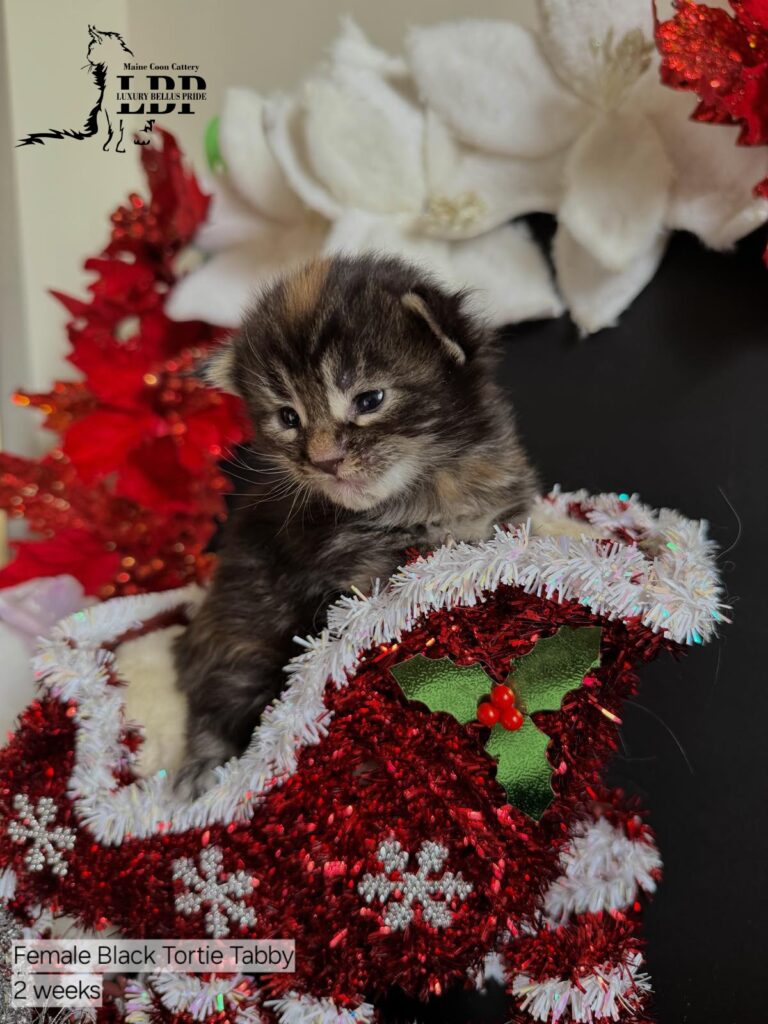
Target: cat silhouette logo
[(120, 93), (105, 61)]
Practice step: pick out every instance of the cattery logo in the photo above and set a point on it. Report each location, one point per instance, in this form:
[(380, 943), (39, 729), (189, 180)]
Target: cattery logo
[(127, 93)]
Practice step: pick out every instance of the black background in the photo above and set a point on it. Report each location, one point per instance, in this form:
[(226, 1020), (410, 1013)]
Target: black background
[(671, 404)]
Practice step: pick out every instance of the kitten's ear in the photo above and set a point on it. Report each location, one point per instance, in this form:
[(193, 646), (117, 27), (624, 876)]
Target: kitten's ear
[(415, 304), (218, 369)]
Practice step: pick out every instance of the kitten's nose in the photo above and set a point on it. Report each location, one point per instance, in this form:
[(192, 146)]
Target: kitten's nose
[(330, 466)]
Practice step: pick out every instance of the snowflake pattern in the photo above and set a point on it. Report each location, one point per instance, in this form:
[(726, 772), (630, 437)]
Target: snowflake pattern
[(33, 824), (413, 887), (223, 894)]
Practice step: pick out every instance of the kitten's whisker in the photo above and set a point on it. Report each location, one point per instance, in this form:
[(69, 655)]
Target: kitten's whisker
[(257, 461), (283, 492), (254, 479), (299, 491), (305, 506), (263, 498), (251, 468)]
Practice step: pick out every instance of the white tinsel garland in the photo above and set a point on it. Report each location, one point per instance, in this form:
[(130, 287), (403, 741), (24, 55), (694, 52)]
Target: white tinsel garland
[(304, 1009), (602, 870), (183, 993), (7, 884), (603, 995), (668, 580), (187, 993)]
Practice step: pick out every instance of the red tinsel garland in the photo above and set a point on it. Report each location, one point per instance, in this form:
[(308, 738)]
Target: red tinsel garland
[(386, 767), (128, 498)]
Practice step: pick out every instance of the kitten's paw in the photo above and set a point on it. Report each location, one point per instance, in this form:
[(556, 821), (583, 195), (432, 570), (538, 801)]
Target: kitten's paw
[(206, 750), (195, 777)]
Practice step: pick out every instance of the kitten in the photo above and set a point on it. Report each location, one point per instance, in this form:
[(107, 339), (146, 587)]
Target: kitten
[(378, 427)]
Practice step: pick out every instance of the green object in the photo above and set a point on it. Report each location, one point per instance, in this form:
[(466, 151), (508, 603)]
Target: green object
[(522, 766), (540, 680), (211, 143), (556, 665), (443, 685)]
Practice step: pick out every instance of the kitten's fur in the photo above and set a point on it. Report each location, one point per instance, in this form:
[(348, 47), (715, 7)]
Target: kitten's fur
[(439, 458)]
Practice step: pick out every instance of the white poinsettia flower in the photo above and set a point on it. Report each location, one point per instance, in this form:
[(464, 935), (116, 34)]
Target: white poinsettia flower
[(256, 225), (355, 164), (357, 139), (586, 94), (360, 150)]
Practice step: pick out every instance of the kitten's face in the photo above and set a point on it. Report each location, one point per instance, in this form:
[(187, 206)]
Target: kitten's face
[(353, 394)]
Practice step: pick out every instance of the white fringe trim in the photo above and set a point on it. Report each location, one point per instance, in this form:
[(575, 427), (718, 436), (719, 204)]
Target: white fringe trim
[(602, 870), (673, 587), (7, 884), (305, 1009), (186, 993), (603, 995)]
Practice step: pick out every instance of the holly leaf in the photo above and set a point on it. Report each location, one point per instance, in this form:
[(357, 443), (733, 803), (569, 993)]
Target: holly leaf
[(443, 686), (554, 666), (540, 680), (522, 767)]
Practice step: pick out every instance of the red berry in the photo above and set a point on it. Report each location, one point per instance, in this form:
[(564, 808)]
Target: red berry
[(512, 719), (487, 714), (502, 697)]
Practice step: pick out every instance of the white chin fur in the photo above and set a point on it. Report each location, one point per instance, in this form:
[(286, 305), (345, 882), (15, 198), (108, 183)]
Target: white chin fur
[(391, 483)]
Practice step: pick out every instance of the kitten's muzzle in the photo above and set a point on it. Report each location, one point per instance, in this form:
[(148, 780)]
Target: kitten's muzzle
[(330, 466)]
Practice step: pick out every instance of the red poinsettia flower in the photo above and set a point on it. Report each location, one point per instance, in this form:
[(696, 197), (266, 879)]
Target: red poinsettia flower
[(77, 553)]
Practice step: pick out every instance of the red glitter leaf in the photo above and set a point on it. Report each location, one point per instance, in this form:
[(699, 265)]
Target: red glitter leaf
[(74, 552), (136, 471), (724, 60)]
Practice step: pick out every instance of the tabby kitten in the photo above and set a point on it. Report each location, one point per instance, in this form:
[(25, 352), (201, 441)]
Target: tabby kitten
[(378, 427)]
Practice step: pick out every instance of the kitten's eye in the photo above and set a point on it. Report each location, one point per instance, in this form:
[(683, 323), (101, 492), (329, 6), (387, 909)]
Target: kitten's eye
[(289, 417), (368, 401)]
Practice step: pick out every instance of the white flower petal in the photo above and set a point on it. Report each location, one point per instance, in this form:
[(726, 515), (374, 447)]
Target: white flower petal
[(284, 127), (221, 288), (504, 268), (490, 83), (352, 48), (358, 231), (712, 192), (595, 296), (509, 275), (230, 219), (249, 161), (471, 192), (365, 142), (617, 180), (598, 47)]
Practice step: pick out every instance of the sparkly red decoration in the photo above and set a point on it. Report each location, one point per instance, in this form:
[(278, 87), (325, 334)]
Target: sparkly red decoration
[(128, 498), (387, 768), (512, 719), (723, 58), (502, 697), (488, 714)]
